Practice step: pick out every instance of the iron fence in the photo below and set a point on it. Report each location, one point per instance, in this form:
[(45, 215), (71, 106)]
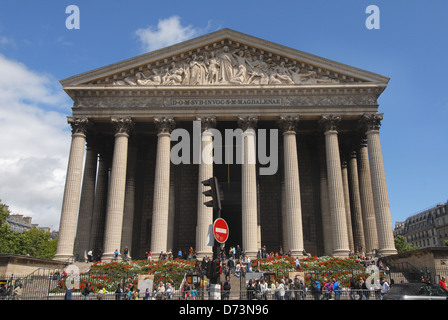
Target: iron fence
[(47, 286)]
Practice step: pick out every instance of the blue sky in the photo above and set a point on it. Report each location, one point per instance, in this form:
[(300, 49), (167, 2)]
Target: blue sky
[(37, 50)]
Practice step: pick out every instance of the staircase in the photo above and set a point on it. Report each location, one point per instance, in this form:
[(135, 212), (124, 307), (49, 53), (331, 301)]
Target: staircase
[(235, 286)]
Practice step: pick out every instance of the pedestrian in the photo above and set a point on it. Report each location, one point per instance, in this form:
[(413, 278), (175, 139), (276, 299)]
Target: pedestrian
[(125, 253), (86, 291), (302, 290), (118, 292), (362, 290), (116, 254), (90, 256), (298, 263), (226, 289), (169, 292), (328, 289), (316, 289), (237, 252), (68, 294), (336, 289), (280, 290), (251, 290), (384, 287), (353, 289), (264, 289), (442, 283), (160, 292)]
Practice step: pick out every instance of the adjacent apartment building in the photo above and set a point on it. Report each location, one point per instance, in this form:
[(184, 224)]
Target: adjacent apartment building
[(428, 228)]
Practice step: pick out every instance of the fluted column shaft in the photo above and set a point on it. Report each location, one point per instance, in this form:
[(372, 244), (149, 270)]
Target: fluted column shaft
[(335, 187), (205, 214), (83, 234), (249, 188), (347, 205), (70, 203), (357, 223), (379, 186), (115, 199), (325, 202), (160, 213), (129, 200), (292, 186), (100, 206), (367, 204)]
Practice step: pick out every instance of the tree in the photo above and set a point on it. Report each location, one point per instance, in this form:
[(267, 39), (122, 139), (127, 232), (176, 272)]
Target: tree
[(35, 242), (402, 246)]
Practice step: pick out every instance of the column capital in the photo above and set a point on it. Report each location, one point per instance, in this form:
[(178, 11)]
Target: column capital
[(79, 125), (288, 123), (164, 125), (249, 122), (207, 122), (371, 121), (122, 125), (330, 122)]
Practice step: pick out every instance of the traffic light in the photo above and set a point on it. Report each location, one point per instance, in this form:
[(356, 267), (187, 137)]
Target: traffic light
[(213, 192), (213, 271)]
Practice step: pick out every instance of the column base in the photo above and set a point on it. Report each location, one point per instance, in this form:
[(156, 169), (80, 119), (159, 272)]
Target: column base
[(63, 257), (341, 253), (201, 255), (387, 252), (111, 257), (297, 253)]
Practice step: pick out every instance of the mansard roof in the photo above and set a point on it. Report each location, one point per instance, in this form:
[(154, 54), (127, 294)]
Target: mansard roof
[(224, 58)]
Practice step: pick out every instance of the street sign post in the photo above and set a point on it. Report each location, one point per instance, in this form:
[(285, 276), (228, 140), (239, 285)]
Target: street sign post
[(220, 230)]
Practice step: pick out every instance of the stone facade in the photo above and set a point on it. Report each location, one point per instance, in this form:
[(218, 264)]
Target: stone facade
[(428, 228), (319, 115)]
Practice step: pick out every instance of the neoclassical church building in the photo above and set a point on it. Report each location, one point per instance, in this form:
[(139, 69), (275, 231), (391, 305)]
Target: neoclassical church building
[(148, 130)]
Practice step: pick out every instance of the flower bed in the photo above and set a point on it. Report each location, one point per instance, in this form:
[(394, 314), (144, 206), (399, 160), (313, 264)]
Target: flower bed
[(109, 274), (342, 269)]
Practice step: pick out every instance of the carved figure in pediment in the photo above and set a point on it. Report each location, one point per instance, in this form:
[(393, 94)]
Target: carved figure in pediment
[(242, 65), (198, 70), (225, 65), (187, 72), (280, 75), (151, 79), (173, 76), (259, 72), (213, 68)]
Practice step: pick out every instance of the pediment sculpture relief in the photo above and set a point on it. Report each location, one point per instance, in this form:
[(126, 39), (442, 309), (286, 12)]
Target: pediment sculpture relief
[(225, 66)]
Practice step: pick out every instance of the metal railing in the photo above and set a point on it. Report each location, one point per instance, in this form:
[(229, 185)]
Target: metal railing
[(46, 286)]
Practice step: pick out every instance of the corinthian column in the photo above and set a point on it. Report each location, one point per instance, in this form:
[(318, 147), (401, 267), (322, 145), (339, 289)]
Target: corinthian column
[(70, 203), (335, 187), (372, 124), (115, 199), (160, 212), (367, 204), (292, 186), (83, 234), (358, 229), (205, 214), (249, 187)]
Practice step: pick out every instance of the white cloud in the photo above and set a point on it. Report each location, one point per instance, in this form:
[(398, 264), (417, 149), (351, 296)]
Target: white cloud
[(34, 143), (169, 31)]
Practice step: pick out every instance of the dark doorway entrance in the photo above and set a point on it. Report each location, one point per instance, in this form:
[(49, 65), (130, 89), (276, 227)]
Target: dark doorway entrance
[(229, 177)]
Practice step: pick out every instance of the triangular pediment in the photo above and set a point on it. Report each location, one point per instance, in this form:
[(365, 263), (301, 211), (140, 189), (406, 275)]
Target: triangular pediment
[(224, 58)]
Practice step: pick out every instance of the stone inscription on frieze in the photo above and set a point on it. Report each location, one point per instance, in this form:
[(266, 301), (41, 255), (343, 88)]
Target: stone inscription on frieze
[(226, 102), (225, 65)]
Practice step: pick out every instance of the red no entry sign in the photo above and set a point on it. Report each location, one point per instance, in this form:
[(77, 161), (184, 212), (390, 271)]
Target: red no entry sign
[(221, 230)]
